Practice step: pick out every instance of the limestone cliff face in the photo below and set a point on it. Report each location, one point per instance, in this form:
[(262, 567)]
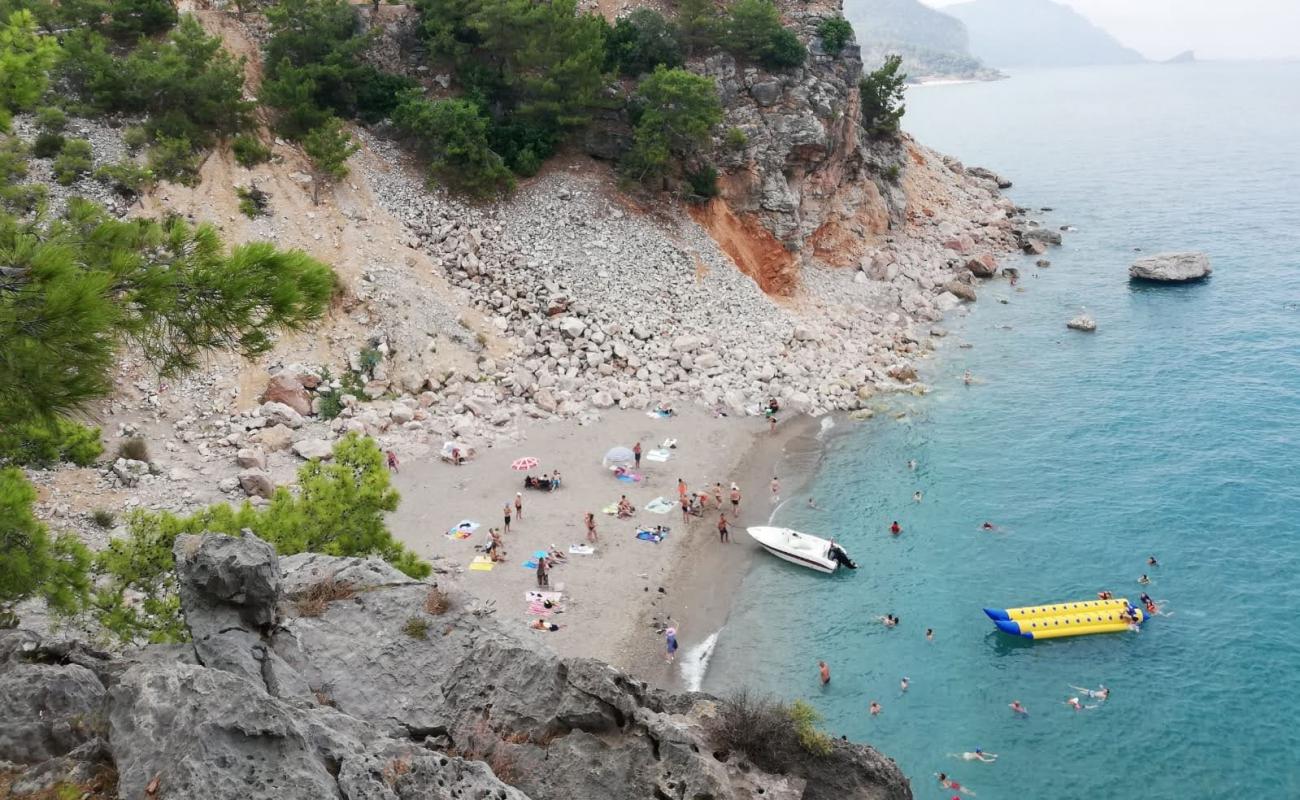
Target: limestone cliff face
[(808, 175), (317, 677)]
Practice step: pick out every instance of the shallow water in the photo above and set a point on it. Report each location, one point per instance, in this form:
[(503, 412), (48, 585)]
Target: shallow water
[(1171, 431)]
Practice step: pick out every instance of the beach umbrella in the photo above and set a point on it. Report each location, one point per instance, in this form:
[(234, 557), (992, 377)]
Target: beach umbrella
[(524, 464), (618, 457)]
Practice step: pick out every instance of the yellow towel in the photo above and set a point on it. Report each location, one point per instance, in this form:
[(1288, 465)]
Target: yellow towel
[(481, 564)]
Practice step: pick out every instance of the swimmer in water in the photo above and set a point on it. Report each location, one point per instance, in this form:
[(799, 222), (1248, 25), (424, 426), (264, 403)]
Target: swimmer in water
[(812, 503), (988, 526), (1103, 595), (875, 708), (904, 683), (1100, 693), (948, 783), (825, 672), (1016, 708), (978, 755), (911, 464), (889, 620), (916, 497), (895, 528), (929, 634), (1144, 580), (1074, 703), (1151, 561), (968, 378)]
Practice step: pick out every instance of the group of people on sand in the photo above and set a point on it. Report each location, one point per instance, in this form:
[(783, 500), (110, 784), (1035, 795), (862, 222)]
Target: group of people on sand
[(547, 483)]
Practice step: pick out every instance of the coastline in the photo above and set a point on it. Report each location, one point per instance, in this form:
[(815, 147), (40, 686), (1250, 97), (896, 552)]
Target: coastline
[(616, 599)]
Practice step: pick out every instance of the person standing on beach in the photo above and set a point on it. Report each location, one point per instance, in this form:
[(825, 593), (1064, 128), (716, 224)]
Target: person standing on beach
[(670, 642), (723, 534), (636, 454), (519, 505), (772, 422), (505, 511), (717, 494), (735, 500), (543, 572), (392, 461), (686, 509), (825, 672), (590, 522), (776, 490), (681, 489)]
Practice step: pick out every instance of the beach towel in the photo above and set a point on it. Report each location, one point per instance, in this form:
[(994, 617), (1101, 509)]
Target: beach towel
[(539, 554), (628, 477), (669, 444), (655, 413), (658, 455), (659, 506), (534, 596), (610, 509), (530, 565), (581, 549), (462, 530), (649, 536), (539, 610), (481, 564)]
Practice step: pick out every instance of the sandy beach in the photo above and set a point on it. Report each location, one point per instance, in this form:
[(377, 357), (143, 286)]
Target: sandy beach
[(616, 599)]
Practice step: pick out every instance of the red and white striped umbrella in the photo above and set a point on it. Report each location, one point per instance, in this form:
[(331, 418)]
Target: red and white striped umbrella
[(524, 464)]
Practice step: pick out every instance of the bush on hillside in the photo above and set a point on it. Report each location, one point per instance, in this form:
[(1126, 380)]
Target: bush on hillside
[(32, 564), (130, 19), (677, 111), (836, 33), (249, 150), (753, 30), (26, 58), (73, 161), (52, 119), (338, 510), (642, 41), (43, 443), (452, 135), (47, 144), (174, 160)]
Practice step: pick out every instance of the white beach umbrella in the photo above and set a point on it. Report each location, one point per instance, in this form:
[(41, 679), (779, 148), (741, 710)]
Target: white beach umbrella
[(618, 457)]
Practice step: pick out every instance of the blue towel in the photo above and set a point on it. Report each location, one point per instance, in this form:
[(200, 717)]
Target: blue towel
[(539, 554), (649, 536), (530, 565)]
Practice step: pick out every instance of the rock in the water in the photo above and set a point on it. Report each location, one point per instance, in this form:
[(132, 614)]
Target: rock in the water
[(1083, 322), (1171, 267), (984, 266), (962, 289)]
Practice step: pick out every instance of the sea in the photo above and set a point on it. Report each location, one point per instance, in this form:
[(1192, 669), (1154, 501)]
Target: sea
[(1172, 431)]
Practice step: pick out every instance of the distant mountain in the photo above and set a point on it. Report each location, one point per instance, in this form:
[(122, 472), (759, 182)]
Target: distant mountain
[(931, 43), (1185, 57), (1037, 33)]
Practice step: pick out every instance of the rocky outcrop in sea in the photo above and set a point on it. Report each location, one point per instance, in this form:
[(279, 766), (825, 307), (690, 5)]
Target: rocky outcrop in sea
[(321, 677)]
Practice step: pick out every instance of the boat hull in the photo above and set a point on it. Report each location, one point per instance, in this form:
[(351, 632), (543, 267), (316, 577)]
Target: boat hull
[(795, 547), (803, 562)]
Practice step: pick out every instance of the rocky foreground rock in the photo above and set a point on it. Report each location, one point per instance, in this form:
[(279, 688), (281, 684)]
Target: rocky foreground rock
[(322, 677), (1171, 267)]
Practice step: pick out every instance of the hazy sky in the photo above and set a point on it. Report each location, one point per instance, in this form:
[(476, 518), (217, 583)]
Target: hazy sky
[(1213, 28)]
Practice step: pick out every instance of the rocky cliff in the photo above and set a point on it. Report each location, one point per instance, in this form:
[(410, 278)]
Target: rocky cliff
[(318, 677)]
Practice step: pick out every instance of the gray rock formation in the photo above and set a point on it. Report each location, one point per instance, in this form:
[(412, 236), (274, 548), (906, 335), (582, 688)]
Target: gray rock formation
[(344, 699), (1171, 267)]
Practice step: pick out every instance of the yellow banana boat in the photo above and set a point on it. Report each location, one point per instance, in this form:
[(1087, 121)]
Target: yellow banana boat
[(1057, 620)]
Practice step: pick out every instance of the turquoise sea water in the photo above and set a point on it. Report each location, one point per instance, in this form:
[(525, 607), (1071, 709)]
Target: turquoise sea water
[(1174, 430)]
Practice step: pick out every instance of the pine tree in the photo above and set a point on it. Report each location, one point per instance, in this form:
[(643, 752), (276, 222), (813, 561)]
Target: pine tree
[(31, 563), (25, 61), (679, 111), (882, 98), (329, 147)]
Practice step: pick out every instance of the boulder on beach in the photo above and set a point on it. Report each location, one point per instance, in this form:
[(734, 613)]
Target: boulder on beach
[(1171, 267)]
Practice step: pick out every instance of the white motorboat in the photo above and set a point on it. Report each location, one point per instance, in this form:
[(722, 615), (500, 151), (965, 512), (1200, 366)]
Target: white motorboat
[(803, 549)]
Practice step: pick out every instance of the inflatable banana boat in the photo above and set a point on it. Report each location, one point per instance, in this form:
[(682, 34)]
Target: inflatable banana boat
[(1067, 619)]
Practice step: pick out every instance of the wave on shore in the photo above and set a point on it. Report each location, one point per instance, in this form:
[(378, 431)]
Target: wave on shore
[(695, 662)]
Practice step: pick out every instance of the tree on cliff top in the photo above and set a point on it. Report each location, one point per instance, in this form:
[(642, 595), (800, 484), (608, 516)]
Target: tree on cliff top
[(882, 98)]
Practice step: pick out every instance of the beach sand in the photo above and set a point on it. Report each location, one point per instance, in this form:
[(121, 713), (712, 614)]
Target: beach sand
[(613, 601)]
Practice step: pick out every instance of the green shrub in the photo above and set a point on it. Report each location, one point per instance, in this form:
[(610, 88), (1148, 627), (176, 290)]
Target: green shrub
[(892, 173), (452, 135), (134, 448), (369, 358), (26, 57), (328, 147), (52, 119), (882, 98), (249, 150), (73, 161), (642, 41), (677, 113), (135, 137), (416, 628), (338, 510), (253, 202), (103, 518), (703, 183), (835, 33), (736, 139), (131, 19), (17, 198), (174, 160), (31, 563), (47, 144), (127, 178), (806, 719), (753, 30), (44, 443)]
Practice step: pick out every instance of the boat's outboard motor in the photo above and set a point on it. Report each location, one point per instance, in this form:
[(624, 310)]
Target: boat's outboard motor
[(840, 556)]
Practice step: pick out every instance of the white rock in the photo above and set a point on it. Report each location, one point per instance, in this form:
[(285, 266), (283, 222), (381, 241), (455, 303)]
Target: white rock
[(314, 448), (280, 414), (251, 458)]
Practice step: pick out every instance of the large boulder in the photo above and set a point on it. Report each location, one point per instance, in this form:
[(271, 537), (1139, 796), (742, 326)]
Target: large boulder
[(230, 588), (280, 414), (1171, 267), (314, 448), (46, 710), (286, 388), (256, 483), (178, 730)]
